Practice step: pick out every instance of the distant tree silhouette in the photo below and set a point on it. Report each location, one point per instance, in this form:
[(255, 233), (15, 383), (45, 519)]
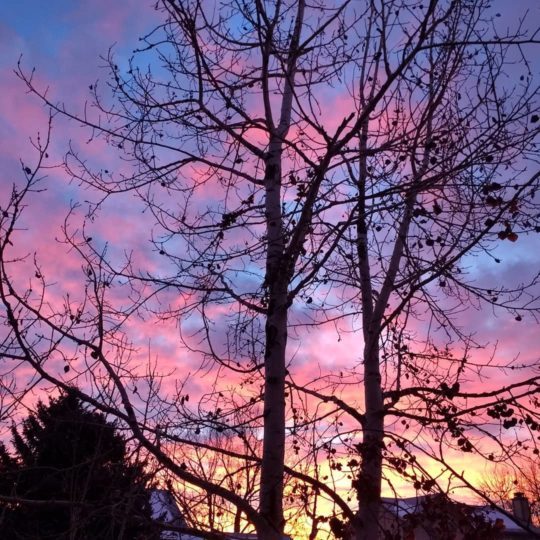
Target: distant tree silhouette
[(503, 481), (69, 477)]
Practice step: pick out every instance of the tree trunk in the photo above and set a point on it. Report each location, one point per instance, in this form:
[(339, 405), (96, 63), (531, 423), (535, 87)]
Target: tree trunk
[(368, 482), (370, 476), (278, 274), (272, 466), (276, 281)]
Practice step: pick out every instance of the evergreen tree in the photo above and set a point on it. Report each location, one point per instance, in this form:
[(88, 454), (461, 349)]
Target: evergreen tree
[(69, 477)]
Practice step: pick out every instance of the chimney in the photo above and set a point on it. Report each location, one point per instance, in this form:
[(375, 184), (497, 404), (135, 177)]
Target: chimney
[(521, 508)]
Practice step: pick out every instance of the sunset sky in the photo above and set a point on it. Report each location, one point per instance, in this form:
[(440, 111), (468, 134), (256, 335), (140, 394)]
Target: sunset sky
[(63, 41)]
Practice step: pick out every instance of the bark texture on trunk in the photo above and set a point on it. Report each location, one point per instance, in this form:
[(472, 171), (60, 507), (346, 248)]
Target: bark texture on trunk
[(272, 466), (279, 271), (368, 482), (367, 525), (370, 477)]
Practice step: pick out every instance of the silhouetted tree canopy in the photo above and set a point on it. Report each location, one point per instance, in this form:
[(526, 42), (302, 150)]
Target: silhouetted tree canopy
[(69, 476), (312, 173)]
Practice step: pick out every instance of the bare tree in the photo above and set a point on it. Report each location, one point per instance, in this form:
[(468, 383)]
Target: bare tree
[(78, 345), (284, 216), (501, 483), (449, 178)]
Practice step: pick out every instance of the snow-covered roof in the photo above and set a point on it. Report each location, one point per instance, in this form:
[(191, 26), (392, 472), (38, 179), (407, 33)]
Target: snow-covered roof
[(411, 505), (166, 511), (403, 507), (510, 524)]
